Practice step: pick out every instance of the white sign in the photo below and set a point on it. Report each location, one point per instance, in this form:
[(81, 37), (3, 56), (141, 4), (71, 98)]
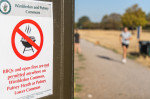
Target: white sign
[(26, 53)]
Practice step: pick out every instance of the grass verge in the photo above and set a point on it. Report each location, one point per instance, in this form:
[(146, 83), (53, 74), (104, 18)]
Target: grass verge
[(78, 87)]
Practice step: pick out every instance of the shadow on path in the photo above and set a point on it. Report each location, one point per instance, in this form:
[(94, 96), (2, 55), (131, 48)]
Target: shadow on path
[(108, 58)]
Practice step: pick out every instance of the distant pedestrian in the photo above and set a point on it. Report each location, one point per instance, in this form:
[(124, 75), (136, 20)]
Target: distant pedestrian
[(125, 38), (77, 42)]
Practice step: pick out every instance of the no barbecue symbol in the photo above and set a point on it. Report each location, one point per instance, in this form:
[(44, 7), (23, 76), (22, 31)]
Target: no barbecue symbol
[(30, 40)]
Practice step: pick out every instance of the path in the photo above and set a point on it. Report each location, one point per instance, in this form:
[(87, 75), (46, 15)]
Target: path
[(105, 77)]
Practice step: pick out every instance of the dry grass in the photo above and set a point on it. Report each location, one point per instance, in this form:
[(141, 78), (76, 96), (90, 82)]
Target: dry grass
[(110, 39)]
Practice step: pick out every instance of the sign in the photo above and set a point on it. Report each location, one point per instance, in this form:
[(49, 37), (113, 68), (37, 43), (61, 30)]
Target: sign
[(138, 32), (26, 51), (27, 41)]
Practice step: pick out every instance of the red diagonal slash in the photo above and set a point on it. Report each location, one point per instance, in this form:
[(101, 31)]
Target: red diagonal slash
[(28, 39)]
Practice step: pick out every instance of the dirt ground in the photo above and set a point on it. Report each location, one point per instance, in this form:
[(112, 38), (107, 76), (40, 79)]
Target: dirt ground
[(101, 75), (110, 39)]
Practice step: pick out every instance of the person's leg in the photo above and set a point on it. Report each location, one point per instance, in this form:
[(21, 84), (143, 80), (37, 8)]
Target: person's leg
[(79, 49), (75, 48), (124, 54)]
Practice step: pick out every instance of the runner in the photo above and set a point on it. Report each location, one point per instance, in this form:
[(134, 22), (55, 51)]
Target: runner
[(77, 42), (125, 38)]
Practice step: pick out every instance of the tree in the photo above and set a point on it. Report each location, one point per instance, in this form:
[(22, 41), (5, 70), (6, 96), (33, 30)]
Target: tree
[(133, 17), (105, 19), (83, 21), (147, 26), (148, 17), (112, 21), (75, 25)]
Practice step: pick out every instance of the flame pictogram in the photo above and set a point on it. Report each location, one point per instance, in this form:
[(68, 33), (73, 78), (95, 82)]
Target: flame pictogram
[(28, 29)]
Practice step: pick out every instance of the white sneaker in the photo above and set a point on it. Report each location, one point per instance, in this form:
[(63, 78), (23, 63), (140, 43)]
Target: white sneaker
[(124, 61)]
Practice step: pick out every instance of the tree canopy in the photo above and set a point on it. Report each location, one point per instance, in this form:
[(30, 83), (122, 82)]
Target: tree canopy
[(134, 16), (112, 21), (148, 17), (83, 21)]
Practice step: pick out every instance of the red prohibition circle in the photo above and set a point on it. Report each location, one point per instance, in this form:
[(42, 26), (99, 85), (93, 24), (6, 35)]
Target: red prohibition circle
[(15, 31)]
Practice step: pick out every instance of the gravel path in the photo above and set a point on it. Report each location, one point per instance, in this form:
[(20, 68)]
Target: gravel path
[(105, 77)]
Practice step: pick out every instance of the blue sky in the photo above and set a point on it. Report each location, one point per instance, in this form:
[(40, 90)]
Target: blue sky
[(96, 9)]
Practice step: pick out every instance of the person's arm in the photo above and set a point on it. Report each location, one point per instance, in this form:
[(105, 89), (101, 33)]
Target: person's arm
[(120, 38), (130, 38), (79, 36)]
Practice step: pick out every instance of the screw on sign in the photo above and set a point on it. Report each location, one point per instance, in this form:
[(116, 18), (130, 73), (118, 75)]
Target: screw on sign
[(27, 41)]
